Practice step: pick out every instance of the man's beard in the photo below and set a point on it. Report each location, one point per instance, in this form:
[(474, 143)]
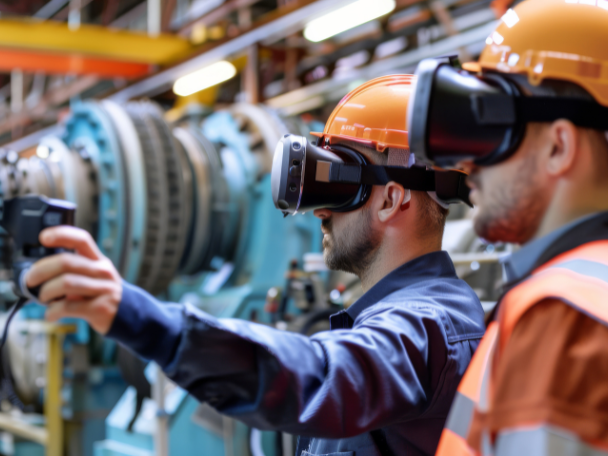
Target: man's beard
[(351, 250), (515, 211)]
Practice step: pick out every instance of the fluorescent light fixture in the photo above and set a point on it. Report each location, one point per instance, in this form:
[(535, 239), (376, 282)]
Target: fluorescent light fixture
[(204, 78), (43, 151), (347, 17)]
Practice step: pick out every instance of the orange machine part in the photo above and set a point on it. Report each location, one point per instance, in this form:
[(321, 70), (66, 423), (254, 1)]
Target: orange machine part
[(374, 113), (553, 39), (49, 63)]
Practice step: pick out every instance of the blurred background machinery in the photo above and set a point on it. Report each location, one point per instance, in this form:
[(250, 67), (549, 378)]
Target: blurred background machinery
[(185, 212), (159, 118)]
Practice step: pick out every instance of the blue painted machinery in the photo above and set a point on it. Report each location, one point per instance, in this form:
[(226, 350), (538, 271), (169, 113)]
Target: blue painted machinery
[(185, 212)]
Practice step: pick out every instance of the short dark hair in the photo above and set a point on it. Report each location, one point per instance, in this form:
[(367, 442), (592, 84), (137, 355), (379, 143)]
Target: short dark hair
[(433, 215)]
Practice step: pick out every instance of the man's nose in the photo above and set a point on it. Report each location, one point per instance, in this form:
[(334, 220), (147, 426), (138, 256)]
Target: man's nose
[(322, 213)]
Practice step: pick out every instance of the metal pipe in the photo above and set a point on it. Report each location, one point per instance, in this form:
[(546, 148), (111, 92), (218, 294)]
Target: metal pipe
[(154, 17), (74, 15), (339, 87), (50, 9), (161, 436), (16, 91), (481, 257), (52, 398), (289, 22)]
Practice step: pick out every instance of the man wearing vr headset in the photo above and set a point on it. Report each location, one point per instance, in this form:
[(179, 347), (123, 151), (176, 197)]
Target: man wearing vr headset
[(529, 123), (383, 381)]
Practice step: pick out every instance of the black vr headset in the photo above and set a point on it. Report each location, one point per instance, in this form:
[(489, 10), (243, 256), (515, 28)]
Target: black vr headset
[(456, 115), (306, 177)]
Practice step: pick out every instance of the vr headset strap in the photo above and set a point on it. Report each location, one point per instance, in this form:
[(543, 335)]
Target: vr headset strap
[(503, 109), (450, 186)]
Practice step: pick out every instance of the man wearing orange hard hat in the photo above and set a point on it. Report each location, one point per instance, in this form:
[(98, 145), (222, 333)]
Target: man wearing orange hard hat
[(529, 123), (381, 382)]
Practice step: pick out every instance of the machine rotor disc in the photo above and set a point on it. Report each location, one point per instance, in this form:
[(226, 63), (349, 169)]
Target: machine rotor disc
[(165, 227), (137, 189), (201, 220), (262, 130), (89, 131)]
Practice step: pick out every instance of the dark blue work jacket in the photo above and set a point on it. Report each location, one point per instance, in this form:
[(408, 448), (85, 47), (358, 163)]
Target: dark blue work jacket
[(392, 361)]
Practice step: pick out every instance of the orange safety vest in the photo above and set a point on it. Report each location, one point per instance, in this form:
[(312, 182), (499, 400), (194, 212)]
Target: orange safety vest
[(578, 277)]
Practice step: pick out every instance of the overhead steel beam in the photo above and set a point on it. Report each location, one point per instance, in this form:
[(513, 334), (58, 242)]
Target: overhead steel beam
[(48, 101), (314, 95), (215, 15), (92, 40), (287, 20), (31, 140), (50, 9)]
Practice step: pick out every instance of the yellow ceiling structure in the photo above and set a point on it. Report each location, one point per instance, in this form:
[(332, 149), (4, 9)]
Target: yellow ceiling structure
[(92, 40)]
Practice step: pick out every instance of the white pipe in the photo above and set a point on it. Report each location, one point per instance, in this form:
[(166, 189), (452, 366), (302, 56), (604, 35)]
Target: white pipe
[(16, 91), (161, 436), (154, 17), (74, 15)]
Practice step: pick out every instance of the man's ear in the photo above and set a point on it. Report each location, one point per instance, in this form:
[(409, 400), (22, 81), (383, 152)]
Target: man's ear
[(393, 197), (565, 139)]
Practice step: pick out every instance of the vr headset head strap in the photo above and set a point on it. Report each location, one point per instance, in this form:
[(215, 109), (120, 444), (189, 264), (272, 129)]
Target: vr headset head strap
[(450, 186), (503, 109)]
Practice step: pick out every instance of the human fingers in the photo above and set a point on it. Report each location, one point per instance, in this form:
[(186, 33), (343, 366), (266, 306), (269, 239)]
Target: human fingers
[(55, 265), (98, 312), (71, 238), (78, 285)]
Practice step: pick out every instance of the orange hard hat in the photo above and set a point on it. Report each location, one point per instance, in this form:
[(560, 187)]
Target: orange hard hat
[(552, 39), (374, 113)]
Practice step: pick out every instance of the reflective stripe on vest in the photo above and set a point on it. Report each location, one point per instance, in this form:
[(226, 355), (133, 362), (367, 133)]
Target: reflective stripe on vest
[(578, 277), (543, 439), (454, 436)]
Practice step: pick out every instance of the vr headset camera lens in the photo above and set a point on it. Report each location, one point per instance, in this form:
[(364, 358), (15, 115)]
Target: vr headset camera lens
[(300, 178)]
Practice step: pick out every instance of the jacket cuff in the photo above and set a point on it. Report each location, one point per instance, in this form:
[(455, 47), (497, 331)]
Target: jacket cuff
[(146, 326)]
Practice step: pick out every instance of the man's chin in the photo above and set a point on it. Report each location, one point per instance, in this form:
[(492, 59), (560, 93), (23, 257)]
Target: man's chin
[(496, 229)]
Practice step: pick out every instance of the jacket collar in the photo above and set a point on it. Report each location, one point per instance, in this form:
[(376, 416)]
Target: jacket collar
[(522, 263), (429, 266)]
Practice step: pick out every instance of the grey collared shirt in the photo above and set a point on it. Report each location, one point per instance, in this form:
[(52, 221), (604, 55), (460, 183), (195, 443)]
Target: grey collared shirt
[(519, 265)]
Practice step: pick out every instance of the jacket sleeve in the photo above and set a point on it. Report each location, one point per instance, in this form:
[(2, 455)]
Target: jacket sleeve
[(334, 384), (550, 393)]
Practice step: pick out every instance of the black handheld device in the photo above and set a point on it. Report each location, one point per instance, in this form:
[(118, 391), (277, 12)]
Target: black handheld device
[(24, 218)]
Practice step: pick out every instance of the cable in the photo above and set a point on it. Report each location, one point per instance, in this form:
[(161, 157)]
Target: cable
[(7, 385), (11, 314)]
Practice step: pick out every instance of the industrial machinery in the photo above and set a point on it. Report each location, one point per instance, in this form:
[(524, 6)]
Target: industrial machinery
[(185, 212)]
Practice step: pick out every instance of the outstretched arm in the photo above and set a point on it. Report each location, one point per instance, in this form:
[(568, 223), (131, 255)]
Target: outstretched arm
[(332, 385)]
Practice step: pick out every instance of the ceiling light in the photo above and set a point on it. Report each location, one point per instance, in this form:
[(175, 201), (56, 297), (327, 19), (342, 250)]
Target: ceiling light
[(347, 17), (204, 78), (43, 151)]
